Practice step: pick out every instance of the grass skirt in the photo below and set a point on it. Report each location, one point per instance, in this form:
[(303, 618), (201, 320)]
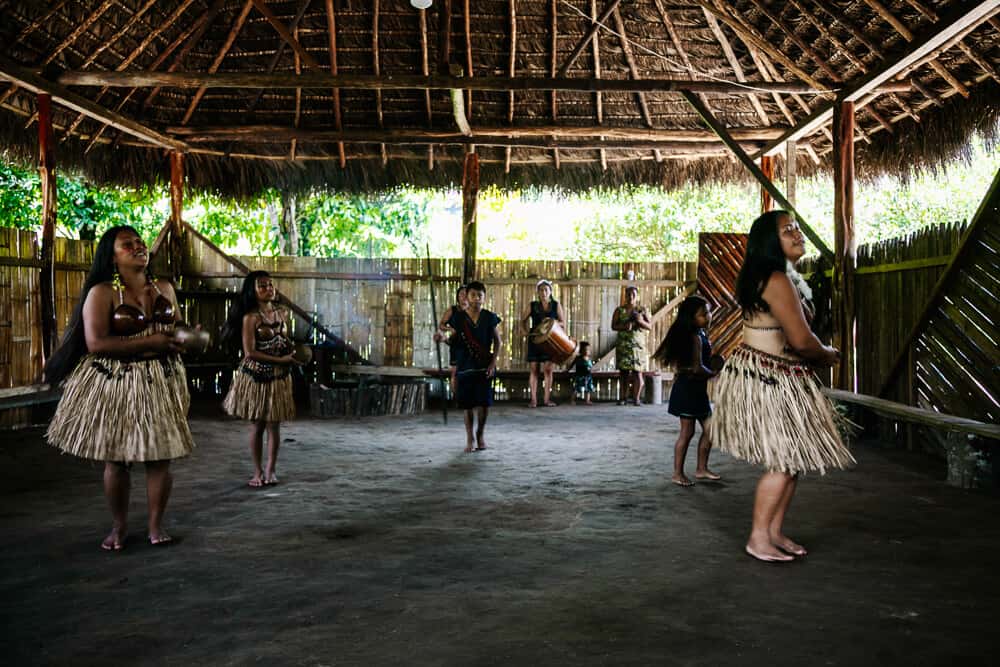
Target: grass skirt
[(770, 410), (124, 410), (261, 392)]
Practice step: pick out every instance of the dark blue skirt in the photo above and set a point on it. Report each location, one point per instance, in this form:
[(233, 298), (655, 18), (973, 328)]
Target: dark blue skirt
[(474, 389), (689, 398)]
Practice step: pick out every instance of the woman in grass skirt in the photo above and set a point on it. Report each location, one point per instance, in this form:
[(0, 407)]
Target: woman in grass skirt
[(125, 396), (769, 407), (261, 391)]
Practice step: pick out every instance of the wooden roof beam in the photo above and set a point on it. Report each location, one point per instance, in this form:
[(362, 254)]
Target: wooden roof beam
[(377, 70), (220, 56), (581, 46), (28, 80), (917, 49), (734, 62), (284, 33), (633, 70), (173, 79), (283, 132), (425, 69), (598, 97), (806, 49), (752, 167), (331, 28)]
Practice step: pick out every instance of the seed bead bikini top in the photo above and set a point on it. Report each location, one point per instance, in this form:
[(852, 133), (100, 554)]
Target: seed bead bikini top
[(267, 331), (128, 320)]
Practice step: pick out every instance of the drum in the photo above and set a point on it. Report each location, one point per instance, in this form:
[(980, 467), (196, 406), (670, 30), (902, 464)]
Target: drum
[(554, 340)]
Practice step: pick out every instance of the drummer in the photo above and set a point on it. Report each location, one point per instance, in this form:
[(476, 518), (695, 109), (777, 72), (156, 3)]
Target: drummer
[(544, 307)]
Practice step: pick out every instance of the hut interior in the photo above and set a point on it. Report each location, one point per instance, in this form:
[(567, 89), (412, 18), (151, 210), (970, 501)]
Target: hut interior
[(564, 543)]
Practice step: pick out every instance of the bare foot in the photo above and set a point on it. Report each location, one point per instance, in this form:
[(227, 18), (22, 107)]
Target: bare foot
[(115, 541), (766, 552), (532, 405), (257, 480), (787, 544), (159, 537), (707, 474), (470, 444), (270, 479), (681, 480), (550, 404), (480, 441), (589, 402)]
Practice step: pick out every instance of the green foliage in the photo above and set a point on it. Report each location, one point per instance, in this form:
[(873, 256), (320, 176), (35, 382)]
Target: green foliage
[(641, 223)]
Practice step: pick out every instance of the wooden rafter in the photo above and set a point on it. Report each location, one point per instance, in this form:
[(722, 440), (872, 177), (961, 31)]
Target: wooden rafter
[(851, 27), (633, 70), (79, 30), (377, 67), (284, 132), (511, 72), (554, 54), (907, 34), (285, 34), (916, 51), (279, 53), (598, 98), (799, 42), (425, 69), (752, 167), (727, 50), (581, 46), (205, 20), (297, 64), (170, 79), (123, 30), (138, 51), (28, 80), (331, 30), (469, 70), (220, 56)]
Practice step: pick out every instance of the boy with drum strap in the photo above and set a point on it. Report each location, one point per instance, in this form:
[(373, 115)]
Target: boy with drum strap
[(545, 307), (478, 335)]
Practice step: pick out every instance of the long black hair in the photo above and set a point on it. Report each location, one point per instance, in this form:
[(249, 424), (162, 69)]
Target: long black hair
[(74, 342), (764, 257), (232, 330), (677, 347)]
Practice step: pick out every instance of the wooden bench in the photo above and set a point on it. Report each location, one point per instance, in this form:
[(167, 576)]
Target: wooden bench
[(33, 394), (963, 459)]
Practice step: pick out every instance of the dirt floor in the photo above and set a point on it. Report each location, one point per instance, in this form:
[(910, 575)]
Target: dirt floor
[(564, 544)]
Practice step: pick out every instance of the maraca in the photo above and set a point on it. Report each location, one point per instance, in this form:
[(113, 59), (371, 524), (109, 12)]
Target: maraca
[(303, 353), (193, 341)]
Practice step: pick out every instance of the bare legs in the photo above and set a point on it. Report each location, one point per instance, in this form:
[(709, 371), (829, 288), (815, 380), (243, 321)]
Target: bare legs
[(273, 442), (256, 449), (159, 482), (681, 449), (117, 488), (264, 475), (477, 442), (774, 495), (117, 484), (632, 385), (547, 368)]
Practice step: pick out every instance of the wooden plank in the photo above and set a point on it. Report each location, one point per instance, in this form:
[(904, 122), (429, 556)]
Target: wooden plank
[(916, 415), (46, 170)]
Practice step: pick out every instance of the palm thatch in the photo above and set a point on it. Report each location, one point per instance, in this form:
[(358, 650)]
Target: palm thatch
[(828, 44)]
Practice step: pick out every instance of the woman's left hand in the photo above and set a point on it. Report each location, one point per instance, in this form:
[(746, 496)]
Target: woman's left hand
[(491, 370)]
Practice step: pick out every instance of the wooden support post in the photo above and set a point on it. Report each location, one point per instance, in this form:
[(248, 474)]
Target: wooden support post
[(470, 196), (767, 168), (790, 168), (46, 171), (751, 166), (176, 209), (844, 245)]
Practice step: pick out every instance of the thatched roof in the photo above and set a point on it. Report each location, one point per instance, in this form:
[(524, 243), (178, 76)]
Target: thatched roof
[(291, 137)]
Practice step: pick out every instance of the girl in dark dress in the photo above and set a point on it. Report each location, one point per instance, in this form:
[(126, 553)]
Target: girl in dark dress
[(478, 339), (444, 332), (687, 347)]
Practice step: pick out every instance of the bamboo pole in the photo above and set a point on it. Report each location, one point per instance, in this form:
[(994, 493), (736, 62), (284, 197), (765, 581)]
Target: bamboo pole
[(46, 172)]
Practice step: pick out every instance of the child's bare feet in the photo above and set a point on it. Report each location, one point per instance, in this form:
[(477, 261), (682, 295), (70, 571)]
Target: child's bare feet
[(115, 541), (257, 480), (787, 544), (589, 402), (767, 552), (480, 441), (681, 480), (270, 479), (470, 444), (707, 474)]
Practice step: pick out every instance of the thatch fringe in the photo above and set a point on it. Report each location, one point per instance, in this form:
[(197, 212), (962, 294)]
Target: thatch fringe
[(942, 136)]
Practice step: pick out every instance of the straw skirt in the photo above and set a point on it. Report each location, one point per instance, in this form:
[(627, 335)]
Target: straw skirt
[(770, 411), (261, 392), (124, 410)]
